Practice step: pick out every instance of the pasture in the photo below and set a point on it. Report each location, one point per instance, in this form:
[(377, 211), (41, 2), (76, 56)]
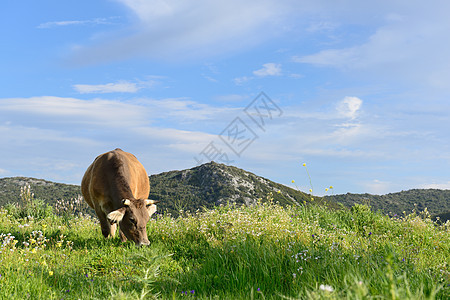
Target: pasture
[(261, 252)]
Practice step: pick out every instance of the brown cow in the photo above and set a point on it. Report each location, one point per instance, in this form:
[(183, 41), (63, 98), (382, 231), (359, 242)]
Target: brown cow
[(116, 186)]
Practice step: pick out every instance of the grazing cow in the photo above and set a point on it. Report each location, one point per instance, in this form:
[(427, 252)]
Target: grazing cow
[(116, 186)]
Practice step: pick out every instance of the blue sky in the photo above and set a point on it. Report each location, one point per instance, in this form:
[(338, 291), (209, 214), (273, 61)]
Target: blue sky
[(358, 91)]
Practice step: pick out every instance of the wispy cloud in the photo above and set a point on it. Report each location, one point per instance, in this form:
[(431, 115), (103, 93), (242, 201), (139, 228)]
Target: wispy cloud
[(50, 126), (231, 98), (185, 29), (242, 80), (96, 21), (268, 69), (53, 112), (397, 43), (377, 187), (118, 87), (50, 112), (184, 110), (321, 26), (440, 186)]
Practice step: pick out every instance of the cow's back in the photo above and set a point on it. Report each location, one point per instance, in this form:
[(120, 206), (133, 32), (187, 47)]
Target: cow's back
[(112, 177)]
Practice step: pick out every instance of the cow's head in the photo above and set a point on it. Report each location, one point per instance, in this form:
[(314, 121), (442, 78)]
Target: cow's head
[(133, 218)]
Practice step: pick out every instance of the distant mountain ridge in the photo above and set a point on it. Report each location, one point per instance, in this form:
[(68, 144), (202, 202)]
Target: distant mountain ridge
[(436, 201), (212, 184)]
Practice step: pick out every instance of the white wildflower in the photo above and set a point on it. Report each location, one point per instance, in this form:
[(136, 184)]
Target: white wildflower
[(326, 288)]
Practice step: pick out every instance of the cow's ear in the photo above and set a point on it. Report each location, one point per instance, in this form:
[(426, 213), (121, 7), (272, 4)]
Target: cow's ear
[(117, 215), (151, 209), (126, 202)]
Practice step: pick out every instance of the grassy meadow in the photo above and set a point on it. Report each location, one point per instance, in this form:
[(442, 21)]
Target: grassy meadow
[(261, 252)]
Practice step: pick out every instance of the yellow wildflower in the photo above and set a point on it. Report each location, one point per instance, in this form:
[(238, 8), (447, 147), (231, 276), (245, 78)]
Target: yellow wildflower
[(50, 273)]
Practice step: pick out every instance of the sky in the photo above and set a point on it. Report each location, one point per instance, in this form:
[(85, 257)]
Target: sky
[(358, 91)]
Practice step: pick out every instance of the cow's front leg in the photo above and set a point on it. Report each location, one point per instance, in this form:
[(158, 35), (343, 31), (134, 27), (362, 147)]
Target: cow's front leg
[(104, 223), (113, 228)]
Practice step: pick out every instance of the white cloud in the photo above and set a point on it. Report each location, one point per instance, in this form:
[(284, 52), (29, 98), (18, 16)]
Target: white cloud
[(268, 69), (321, 26), (349, 107), (296, 76), (209, 78), (182, 110), (377, 187), (440, 186), (118, 87), (183, 29), (332, 57), (231, 98), (56, 138), (48, 111), (405, 46), (58, 111), (96, 21), (241, 80)]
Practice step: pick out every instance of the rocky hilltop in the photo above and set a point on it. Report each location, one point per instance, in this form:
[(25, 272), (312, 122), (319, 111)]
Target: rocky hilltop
[(212, 184)]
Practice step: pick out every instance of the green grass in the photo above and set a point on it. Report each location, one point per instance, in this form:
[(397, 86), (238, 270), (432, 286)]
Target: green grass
[(260, 252)]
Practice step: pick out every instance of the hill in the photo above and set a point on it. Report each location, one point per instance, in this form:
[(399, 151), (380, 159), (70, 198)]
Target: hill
[(42, 189), (436, 201), (441, 218), (212, 184), (208, 185)]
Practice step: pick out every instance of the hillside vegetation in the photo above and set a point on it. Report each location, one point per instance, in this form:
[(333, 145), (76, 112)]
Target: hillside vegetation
[(264, 251), (437, 202), (212, 184), (48, 191), (205, 186)]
